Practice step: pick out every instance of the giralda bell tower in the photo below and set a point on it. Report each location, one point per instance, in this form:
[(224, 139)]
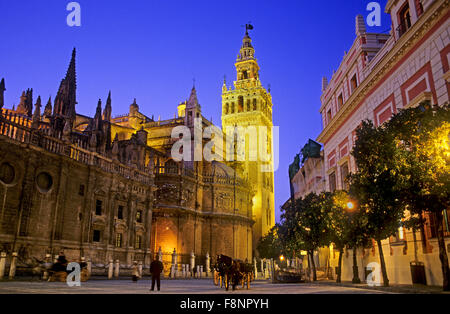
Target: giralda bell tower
[(250, 104)]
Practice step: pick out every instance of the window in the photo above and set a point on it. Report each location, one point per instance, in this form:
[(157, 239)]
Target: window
[(399, 235), (118, 240), (227, 108), (332, 179), (255, 106), (344, 175), (139, 216), (96, 236), (7, 173), (329, 117), (232, 107), (434, 225), (138, 242), (248, 105), (240, 103), (245, 75), (120, 212), (98, 208), (354, 83), (404, 19), (81, 190), (340, 101)]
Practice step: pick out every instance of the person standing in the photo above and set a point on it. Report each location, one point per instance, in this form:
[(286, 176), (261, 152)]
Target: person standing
[(156, 268)]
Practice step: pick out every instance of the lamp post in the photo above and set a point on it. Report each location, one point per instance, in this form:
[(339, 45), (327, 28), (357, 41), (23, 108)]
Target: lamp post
[(350, 208)]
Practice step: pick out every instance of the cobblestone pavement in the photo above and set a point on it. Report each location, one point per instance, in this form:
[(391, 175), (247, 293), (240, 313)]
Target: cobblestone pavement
[(202, 286)]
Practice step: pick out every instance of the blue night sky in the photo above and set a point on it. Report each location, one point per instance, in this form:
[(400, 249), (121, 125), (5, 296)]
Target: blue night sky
[(152, 50)]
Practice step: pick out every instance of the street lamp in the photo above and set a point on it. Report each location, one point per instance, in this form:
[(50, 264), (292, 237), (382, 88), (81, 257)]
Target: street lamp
[(281, 258), (350, 205)]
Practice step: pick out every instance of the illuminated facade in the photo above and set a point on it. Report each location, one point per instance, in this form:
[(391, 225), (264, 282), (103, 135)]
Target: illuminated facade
[(106, 188), (381, 74), (250, 104)]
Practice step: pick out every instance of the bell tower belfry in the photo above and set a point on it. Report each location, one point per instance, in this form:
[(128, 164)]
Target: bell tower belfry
[(249, 104)]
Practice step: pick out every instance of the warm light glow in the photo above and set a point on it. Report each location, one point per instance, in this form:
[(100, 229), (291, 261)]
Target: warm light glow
[(281, 258), (401, 234), (304, 253), (350, 205)]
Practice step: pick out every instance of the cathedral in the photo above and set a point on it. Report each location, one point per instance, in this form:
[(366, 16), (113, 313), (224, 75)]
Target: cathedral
[(107, 188)]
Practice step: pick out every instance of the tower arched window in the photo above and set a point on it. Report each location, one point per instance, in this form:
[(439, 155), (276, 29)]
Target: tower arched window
[(245, 74), (232, 107), (240, 103), (227, 108), (255, 106), (248, 105)]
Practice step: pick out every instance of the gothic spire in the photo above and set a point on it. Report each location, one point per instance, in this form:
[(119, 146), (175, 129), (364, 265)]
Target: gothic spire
[(193, 101), (98, 115), (2, 91), (108, 109), (37, 114), (25, 106), (48, 108), (65, 100)]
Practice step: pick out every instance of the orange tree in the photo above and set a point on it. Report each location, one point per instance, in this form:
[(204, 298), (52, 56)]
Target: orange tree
[(375, 184), (304, 225), (422, 136), (270, 246)]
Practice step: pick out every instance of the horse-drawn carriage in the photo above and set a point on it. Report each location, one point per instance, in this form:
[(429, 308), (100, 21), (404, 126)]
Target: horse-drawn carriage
[(232, 272)]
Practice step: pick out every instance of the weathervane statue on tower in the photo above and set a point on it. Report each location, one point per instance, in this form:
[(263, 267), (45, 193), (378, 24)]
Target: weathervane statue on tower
[(248, 27)]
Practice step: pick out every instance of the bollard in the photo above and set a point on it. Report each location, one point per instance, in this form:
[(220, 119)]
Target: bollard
[(140, 269), (160, 257), (47, 265), (187, 272), (116, 270), (208, 264), (201, 271), (255, 266), (110, 269), (89, 266), (2, 264), (174, 263), (12, 268), (192, 263)]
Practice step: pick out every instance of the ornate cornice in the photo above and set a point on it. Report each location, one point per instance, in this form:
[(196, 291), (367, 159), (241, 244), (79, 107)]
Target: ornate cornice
[(404, 45)]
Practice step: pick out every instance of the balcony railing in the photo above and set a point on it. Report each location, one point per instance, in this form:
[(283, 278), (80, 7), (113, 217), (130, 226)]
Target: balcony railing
[(18, 128)]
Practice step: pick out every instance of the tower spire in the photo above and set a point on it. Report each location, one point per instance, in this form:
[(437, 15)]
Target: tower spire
[(2, 91), (193, 100), (108, 109), (37, 114), (65, 100), (48, 108)]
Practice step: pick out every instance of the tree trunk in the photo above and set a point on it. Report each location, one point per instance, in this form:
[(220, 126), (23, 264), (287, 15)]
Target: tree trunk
[(383, 265), (355, 267), (443, 253), (338, 277), (313, 265)]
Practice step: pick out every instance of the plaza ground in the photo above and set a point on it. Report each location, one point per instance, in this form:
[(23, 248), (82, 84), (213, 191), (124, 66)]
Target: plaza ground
[(194, 286)]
